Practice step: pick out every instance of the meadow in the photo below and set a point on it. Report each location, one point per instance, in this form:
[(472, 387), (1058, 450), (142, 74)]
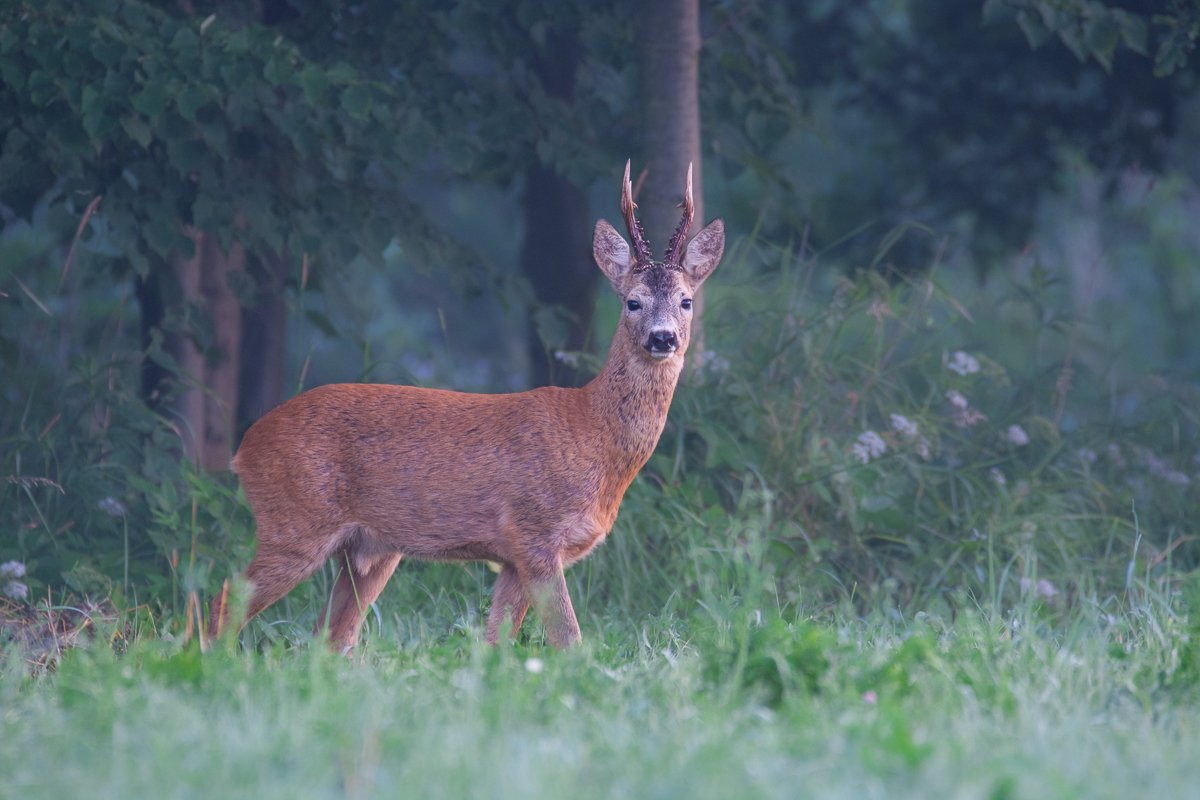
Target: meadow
[(740, 702), (884, 550)]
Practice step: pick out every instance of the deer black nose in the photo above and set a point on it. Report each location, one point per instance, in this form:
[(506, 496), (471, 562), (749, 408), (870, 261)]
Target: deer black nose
[(662, 342)]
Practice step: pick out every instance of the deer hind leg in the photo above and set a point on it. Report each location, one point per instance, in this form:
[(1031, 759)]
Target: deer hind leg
[(508, 597), (547, 589), (359, 584), (282, 559)]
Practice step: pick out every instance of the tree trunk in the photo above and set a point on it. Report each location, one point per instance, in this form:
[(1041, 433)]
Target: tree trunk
[(155, 376), (555, 254), (207, 403), (263, 353), (668, 47), (554, 258)]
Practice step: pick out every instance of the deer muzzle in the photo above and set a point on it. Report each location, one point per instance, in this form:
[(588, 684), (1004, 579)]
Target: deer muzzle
[(662, 343)]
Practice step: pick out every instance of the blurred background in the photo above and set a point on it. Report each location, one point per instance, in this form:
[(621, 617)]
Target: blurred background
[(950, 356)]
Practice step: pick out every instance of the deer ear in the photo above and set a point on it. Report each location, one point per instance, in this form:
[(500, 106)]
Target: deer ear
[(611, 252), (704, 251)]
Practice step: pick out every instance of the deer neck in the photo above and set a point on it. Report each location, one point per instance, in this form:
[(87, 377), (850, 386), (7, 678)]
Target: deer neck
[(629, 400)]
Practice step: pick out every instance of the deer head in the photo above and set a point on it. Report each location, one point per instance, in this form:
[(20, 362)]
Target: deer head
[(657, 295)]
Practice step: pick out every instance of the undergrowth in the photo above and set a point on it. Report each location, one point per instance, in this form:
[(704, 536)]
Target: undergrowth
[(878, 442)]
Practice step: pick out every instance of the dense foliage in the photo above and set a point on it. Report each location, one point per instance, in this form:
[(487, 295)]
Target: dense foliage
[(869, 424)]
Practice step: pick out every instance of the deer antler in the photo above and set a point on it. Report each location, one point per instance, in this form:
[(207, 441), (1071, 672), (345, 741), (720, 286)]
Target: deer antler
[(675, 246), (641, 250)]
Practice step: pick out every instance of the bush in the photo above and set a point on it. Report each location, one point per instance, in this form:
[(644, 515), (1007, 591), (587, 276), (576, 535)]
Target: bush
[(866, 440), (884, 443)]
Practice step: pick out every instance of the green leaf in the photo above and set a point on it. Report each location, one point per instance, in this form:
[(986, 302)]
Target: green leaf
[(152, 100), (315, 84), (186, 155), (872, 503), (185, 42), (216, 134), (138, 130), (1133, 31), (278, 69), (1102, 36), (92, 107), (356, 100), (1035, 32), (161, 232), (42, 89), (189, 101), (341, 72), (210, 211)]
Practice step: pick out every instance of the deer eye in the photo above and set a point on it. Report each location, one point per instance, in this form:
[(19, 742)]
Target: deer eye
[(687, 304), (633, 305)]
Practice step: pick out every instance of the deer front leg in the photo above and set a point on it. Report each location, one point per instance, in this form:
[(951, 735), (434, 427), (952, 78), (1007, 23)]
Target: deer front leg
[(508, 596), (547, 588)]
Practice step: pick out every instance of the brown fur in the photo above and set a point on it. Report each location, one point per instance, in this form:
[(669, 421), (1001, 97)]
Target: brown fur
[(370, 474)]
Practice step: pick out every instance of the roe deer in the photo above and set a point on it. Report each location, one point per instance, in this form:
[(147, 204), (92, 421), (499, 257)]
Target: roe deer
[(372, 474)]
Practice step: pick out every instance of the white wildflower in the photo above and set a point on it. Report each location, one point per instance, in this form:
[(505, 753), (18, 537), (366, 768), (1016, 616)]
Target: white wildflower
[(1043, 588), (534, 665), (1158, 467), (963, 363), (964, 415), (997, 477), (1017, 436), (1176, 477), (568, 358), (10, 573), (909, 430), (1087, 455), (1113, 451), (112, 506), (879, 310), (870, 445), (904, 426)]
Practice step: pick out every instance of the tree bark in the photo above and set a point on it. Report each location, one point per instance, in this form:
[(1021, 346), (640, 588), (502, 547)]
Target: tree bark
[(668, 47), (263, 351), (209, 398), (555, 260), (555, 256)]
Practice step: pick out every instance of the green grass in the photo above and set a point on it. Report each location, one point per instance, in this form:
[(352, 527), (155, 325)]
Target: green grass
[(776, 613), (733, 703)]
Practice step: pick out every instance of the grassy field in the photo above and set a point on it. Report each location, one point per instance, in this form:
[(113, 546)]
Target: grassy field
[(888, 547), (732, 702)]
